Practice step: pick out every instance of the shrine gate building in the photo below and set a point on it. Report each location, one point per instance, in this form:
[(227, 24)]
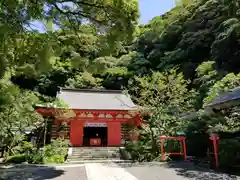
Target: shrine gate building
[(99, 117)]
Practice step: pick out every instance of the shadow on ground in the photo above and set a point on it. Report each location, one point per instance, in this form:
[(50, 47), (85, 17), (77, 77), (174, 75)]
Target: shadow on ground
[(140, 164), (33, 173), (174, 170), (191, 171)]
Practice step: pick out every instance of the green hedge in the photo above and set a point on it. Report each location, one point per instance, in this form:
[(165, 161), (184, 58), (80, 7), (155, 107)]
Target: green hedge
[(55, 152), (18, 158), (54, 159)]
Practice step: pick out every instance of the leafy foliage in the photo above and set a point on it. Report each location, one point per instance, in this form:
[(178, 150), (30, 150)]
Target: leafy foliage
[(22, 46), (164, 64), (19, 158), (227, 83), (190, 34), (18, 115), (164, 97), (55, 152)]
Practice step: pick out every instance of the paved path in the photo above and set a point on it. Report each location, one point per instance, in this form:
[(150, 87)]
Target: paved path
[(41, 173), (112, 171), (109, 171), (178, 171)]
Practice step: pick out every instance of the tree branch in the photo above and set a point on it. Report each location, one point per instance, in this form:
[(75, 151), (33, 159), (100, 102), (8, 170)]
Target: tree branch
[(81, 2), (79, 13)]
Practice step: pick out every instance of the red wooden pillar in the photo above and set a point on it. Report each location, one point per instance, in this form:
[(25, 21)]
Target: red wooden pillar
[(76, 132), (162, 139), (214, 138), (114, 134), (162, 149), (137, 120), (184, 149)]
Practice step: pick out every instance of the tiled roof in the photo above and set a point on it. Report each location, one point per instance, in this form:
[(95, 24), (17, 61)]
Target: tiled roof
[(226, 97), (96, 99), (189, 116)]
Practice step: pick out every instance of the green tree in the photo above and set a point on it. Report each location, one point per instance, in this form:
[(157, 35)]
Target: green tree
[(167, 97), (109, 17), (207, 75), (163, 99), (191, 33), (84, 80), (227, 83), (18, 115)]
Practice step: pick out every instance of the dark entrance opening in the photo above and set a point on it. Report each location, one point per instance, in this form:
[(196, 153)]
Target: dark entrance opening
[(95, 132)]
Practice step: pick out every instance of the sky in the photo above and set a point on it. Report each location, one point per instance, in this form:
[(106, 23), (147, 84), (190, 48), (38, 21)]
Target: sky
[(148, 10), (152, 8)]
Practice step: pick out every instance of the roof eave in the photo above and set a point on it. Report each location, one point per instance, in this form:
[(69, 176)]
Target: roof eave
[(89, 90), (224, 104), (45, 107)]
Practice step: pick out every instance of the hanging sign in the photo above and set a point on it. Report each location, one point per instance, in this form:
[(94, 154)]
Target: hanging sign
[(95, 125)]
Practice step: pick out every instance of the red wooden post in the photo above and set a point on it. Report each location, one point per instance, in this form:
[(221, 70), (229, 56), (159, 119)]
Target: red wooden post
[(181, 147), (184, 149), (162, 149), (214, 139), (162, 138)]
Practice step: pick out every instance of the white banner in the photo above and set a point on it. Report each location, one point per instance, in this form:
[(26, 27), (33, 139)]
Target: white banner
[(95, 125)]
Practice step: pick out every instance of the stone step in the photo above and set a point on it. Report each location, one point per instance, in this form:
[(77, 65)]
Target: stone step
[(98, 161), (94, 150), (102, 153), (89, 152), (99, 153), (96, 154), (84, 152), (80, 154), (90, 158), (73, 157)]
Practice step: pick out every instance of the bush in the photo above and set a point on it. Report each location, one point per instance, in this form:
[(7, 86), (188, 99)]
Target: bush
[(55, 152), (134, 148), (36, 157), (27, 146), (139, 151), (229, 152), (32, 154), (56, 147), (52, 153), (18, 158), (54, 159), (124, 154), (60, 143)]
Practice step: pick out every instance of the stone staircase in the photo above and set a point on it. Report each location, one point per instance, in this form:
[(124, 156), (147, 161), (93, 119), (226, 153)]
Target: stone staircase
[(93, 154)]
